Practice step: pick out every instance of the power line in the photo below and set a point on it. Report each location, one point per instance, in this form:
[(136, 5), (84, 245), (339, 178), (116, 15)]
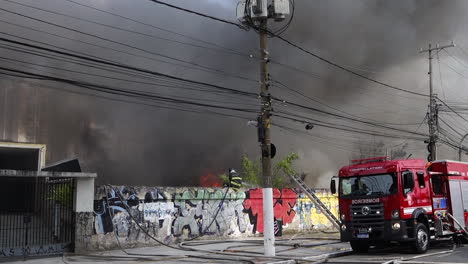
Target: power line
[(224, 50), (449, 126), (181, 79), (316, 121), (220, 48), (120, 79), (328, 143), (170, 108), (300, 48), (329, 123), (176, 78), (451, 109), (229, 50), (348, 70), (200, 14), (440, 77), (129, 46), (454, 70), (372, 133), (339, 116), (159, 105), (161, 82), (90, 64), (104, 47), (185, 87), (128, 67), (125, 92), (334, 108), (415, 131), (456, 59)]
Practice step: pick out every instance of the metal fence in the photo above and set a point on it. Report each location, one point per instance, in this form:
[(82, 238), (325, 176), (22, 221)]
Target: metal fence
[(36, 216)]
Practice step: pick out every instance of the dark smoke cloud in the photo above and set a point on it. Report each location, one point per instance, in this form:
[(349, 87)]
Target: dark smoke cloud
[(135, 144)]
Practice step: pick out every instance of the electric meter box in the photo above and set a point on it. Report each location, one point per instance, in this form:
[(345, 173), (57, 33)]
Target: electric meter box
[(258, 8), (280, 9)]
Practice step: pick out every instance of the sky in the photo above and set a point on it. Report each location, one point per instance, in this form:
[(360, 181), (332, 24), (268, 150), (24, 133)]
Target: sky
[(138, 144)]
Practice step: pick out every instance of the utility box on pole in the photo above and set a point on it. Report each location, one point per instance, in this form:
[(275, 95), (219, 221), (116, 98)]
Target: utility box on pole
[(258, 9), (280, 9), (240, 12)]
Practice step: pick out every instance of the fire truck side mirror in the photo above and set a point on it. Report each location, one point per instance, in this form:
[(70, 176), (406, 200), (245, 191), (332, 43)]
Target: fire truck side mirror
[(333, 186)]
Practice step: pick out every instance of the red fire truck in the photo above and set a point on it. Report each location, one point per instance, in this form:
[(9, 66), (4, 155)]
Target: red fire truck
[(406, 201)]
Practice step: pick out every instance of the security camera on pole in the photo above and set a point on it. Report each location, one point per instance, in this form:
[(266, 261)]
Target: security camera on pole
[(255, 14)]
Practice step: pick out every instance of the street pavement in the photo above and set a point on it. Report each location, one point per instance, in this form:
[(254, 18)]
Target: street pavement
[(442, 253), (208, 251), (291, 250)]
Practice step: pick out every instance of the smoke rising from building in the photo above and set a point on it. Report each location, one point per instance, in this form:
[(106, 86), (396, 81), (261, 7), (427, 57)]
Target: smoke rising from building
[(136, 144)]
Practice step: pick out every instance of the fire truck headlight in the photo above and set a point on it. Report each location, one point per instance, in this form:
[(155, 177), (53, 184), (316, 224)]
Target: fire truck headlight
[(343, 228), (343, 216), (396, 214), (396, 226)]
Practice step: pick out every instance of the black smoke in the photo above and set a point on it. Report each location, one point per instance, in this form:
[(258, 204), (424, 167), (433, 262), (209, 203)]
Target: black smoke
[(142, 145)]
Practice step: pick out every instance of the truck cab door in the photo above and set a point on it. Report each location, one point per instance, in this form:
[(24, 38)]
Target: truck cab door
[(407, 184), (416, 192)]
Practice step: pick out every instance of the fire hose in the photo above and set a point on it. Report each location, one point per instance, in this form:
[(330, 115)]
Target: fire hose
[(458, 223)]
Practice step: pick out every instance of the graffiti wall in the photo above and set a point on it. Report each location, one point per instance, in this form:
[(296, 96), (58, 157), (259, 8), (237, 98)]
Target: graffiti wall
[(136, 216)]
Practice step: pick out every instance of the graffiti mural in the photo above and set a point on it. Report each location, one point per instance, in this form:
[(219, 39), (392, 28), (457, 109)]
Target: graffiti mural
[(284, 201), (311, 217), (198, 212), (172, 214)]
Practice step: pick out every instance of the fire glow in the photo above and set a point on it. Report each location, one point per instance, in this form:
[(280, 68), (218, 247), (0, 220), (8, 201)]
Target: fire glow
[(210, 180)]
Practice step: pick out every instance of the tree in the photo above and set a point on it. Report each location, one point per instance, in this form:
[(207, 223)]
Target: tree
[(251, 171)]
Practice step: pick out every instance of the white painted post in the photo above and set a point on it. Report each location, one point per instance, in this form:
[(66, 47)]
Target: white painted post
[(268, 218), (84, 195)]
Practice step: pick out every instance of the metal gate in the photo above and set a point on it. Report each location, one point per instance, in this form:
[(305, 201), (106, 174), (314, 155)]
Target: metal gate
[(36, 216)]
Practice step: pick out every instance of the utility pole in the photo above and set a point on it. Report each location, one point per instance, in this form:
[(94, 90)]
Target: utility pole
[(265, 114), (255, 14), (433, 120)]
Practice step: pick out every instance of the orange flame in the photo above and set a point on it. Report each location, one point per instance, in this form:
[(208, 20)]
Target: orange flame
[(210, 180)]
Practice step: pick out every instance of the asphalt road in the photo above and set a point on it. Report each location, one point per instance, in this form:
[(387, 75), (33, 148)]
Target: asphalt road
[(250, 251), (442, 253)]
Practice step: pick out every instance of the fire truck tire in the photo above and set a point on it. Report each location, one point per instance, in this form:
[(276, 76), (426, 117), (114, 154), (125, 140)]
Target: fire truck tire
[(359, 246), (422, 238)]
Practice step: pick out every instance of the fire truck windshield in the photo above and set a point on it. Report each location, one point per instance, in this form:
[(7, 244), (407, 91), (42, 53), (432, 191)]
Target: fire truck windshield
[(369, 185)]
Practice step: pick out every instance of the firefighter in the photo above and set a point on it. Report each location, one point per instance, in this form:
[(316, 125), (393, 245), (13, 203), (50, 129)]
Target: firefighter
[(235, 180)]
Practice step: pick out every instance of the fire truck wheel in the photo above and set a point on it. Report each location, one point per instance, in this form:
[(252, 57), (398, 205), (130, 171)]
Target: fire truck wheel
[(422, 238), (359, 246)]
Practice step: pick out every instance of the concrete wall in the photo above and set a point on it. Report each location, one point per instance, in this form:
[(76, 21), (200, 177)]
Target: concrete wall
[(84, 216), (173, 214)]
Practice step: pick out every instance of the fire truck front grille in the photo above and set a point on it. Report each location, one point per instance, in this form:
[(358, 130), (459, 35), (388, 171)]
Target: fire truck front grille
[(367, 215)]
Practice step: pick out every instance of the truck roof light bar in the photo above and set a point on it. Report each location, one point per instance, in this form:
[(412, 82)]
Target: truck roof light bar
[(370, 160)]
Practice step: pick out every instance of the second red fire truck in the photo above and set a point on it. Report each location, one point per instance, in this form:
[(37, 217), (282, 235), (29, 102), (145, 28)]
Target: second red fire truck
[(407, 201)]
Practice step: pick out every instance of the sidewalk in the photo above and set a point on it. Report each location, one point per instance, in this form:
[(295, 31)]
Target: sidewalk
[(213, 251)]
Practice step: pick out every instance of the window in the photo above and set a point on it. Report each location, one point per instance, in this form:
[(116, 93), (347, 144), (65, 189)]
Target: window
[(437, 184), (408, 182), (421, 182), (369, 185)]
